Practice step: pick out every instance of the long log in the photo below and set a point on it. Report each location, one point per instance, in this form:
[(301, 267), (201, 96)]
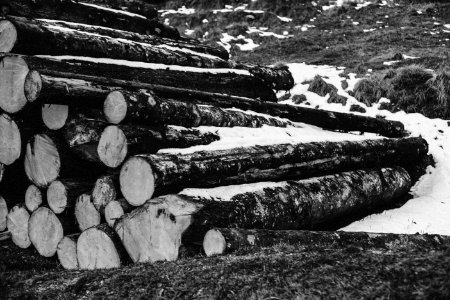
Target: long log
[(67, 251), (3, 213), (219, 241), (62, 194), (10, 140), (85, 212), (224, 81), (144, 107), (100, 248), (80, 12), (143, 175), (134, 6), (17, 223), (33, 198), (292, 205)]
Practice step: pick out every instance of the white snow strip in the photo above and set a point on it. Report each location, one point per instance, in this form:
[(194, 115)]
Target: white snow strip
[(181, 11), (447, 26), (369, 30), (113, 10), (284, 19), (361, 5)]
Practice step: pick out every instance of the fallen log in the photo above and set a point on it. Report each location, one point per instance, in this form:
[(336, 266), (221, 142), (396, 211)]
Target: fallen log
[(67, 251), (106, 189), (55, 116), (80, 12), (17, 224), (85, 212), (134, 6), (115, 210), (291, 205), (220, 241), (62, 194), (143, 107), (33, 198), (107, 71), (143, 175), (10, 140), (99, 247), (3, 213)]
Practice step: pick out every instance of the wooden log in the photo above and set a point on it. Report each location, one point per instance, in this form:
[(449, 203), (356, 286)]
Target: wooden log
[(115, 210), (99, 247), (10, 140), (85, 212), (46, 230), (106, 189), (134, 6), (67, 251), (33, 198), (62, 194), (3, 213), (154, 230), (118, 72), (219, 241), (12, 80), (17, 224), (145, 108), (143, 175), (55, 115), (6, 235), (80, 12)]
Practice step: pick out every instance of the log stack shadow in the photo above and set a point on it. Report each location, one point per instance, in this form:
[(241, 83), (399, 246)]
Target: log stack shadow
[(86, 104)]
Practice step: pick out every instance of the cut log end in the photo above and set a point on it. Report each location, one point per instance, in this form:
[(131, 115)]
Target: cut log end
[(115, 107), (113, 212), (42, 161), (8, 36), (214, 243), (55, 115), (33, 85), (104, 192), (17, 223), (57, 196), (45, 231), (33, 198), (137, 181), (10, 140), (3, 213), (112, 147), (67, 252), (97, 250), (85, 212), (13, 71)]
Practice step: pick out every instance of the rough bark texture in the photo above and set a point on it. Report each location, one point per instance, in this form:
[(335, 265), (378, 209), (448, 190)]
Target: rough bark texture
[(141, 175), (200, 79), (228, 240), (81, 13)]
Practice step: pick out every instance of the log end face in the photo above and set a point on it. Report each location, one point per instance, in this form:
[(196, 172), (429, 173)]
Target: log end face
[(214, 243), (33, 85), (55, 116), (137, 181), (115, 107), (17, 223), (3, 213), (8, 36), (13, 71), (57, 196), (112, 147), (104, 192), (113, 212), (67, 253), (45, 231), (10, 140), (85, 212), (33, 198)]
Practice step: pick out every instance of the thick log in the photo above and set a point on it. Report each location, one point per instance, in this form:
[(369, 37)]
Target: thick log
[(115, 210), (62, 194), (143, 175), (33, 198), (12, 80), (85, 212), (55, 116), (145, 108), (67, 251), (219, 241), (99, 247), (80, 12), (17, 224), (106, 189), (224, 81), (3, 213), (10, 140), (292, 205)]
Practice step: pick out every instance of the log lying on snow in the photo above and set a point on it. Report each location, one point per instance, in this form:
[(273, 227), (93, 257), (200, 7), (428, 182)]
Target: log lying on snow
[(143, 175), (85, 212), (3, 213), (100, 248), (227, 240), (134, 6), (62, 194), (17, 223), (67, 251), (118, 72), (10, 140), (291, 205), (143, 107), (33, 198), (115, 210), (79, 12)]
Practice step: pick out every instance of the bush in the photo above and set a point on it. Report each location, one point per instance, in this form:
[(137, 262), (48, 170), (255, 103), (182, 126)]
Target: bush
[(320, 87)]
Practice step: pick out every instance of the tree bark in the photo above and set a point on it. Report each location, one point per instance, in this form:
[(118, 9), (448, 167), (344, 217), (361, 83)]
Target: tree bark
[(219, 241), (85, 212), (10, 140), (33, 198), (17, 224), (144, 107), (106, 189), (62, 194), (115, 210), (224, 81), (99, 247), (143, 175), (87, 13), (67, 251), (3, 213), (134, 6)]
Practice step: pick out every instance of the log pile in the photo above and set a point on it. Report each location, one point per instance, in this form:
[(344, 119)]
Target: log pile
[(81, 177)]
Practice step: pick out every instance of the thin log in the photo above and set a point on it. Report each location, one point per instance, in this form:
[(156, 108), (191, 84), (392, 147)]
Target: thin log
[(62, 194), (80, 12), (106, 189), (115, 210), (3, 213), (55, 115), (10, 140), (143, 175), (134, 6), (67, 251), (220, 241), (33, 198), (17, 224), (99, 247), (85, 212), (294, 205)]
